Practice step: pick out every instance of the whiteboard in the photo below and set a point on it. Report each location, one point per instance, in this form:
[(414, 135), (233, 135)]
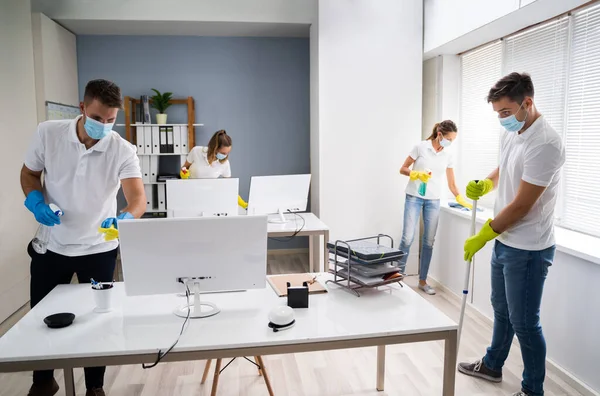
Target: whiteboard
[(59, 111)]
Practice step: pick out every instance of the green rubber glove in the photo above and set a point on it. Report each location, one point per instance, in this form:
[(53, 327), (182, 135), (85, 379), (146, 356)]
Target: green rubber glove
[(478, 241), (478, 188)]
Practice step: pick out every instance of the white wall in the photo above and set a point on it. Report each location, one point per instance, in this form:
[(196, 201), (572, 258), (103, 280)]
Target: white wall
[(270, 11), (18, 114), (431, 96), (569, 308), (369, 109), (456, 26), (55, 64)]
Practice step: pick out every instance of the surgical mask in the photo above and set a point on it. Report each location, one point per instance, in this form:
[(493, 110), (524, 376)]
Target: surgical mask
[(445, 143), (511, 124), (96, 129), (221, 156)]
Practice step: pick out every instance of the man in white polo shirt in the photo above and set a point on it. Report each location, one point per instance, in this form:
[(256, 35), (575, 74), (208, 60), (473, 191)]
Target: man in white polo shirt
[(84, 164), (531, 156)]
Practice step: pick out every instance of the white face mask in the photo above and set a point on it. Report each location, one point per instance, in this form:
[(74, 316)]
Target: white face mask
[(445, 143)]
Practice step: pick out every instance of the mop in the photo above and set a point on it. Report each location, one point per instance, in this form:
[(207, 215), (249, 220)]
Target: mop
[(467, 277)]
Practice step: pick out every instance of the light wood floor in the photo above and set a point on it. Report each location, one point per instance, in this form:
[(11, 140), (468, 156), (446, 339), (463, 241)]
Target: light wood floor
[(411, 369)]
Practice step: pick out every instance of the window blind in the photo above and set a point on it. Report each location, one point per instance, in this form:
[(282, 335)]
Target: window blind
[(542, 52), (580, 209), (478, 127)]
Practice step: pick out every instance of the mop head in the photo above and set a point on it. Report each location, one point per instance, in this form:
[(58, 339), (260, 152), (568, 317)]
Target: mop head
[(110, 234)]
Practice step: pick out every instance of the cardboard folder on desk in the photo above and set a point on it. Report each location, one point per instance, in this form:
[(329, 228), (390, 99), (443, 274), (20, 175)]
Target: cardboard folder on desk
[(279, 283)]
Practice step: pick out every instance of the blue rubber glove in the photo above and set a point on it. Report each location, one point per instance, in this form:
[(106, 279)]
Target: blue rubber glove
[(42, 212), (114, 220)]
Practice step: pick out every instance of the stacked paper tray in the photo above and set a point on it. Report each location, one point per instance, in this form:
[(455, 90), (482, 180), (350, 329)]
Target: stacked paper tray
[(368, 252), (366, 281), (370, 270), (343, 252)]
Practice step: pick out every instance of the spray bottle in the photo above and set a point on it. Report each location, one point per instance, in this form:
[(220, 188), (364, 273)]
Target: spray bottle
[(423, 185), (42, 236)]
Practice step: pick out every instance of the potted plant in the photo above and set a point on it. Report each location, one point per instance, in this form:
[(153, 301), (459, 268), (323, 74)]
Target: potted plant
[(161, 103)]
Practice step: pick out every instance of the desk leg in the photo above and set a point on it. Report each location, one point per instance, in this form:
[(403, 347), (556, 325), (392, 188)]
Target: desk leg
[(69, 382), (311, 253), (380, 367), (325, 252), (450, 356)]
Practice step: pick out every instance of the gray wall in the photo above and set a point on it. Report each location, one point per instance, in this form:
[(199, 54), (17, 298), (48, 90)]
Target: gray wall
[(255, 88)]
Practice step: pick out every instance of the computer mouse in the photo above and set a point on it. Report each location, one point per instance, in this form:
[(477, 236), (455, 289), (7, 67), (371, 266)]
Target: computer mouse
[(59, 320)]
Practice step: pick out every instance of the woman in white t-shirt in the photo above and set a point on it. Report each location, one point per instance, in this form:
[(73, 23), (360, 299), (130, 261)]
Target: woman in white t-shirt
[(210, 162), (430, 160)]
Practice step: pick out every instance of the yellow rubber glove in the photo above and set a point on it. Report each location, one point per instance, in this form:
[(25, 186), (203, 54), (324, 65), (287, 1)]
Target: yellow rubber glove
[(476, 242), (110, 234), (461, 200), (184, 173), (477, 189), (423, 176), (242, 203)]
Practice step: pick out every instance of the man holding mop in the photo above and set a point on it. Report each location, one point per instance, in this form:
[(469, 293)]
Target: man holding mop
[(527, 179)]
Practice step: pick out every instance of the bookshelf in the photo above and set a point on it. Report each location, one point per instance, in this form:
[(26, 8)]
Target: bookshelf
[(151, 155)]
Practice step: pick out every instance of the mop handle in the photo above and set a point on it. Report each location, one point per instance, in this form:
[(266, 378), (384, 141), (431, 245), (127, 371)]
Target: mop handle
[(467, 276)]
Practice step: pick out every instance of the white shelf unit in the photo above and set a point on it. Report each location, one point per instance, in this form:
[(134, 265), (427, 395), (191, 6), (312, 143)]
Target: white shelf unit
[(149, 139), (141, 125)]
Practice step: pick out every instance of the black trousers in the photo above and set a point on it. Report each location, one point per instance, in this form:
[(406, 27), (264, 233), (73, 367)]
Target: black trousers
[(50, 270)]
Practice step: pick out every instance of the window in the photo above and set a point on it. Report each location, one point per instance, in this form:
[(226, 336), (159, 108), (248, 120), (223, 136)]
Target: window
[(563, 58), (580, 206), (479, 142)]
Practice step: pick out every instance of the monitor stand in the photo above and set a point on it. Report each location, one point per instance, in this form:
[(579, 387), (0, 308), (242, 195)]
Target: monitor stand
[(199, 309), (280, 219)]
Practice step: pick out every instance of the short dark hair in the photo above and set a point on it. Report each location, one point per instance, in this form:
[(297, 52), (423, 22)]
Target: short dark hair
[(107, 92), (515, 86)]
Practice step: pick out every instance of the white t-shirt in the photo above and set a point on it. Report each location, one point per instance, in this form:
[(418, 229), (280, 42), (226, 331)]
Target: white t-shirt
[(426, 157), (201, 169), (535, 156), (83, 183)]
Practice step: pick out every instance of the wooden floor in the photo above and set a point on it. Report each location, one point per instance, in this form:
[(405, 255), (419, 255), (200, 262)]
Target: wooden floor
[(411, 369)]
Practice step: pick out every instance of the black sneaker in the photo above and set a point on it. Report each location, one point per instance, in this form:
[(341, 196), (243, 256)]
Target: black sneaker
[(479, 370)]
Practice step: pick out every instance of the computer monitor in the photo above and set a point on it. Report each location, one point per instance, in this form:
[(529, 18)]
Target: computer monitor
[(278, 194), (208, 254), (202, 197)]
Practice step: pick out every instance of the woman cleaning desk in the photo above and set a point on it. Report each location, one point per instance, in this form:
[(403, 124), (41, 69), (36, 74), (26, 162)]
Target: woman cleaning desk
[(210, 162)]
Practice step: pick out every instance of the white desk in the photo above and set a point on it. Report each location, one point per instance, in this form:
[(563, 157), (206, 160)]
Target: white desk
[(138, 326), (313, 228)]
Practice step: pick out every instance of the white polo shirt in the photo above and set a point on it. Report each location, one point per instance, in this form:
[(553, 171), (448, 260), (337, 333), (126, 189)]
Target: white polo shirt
[(201, 169), (426, 157), (536, 157), (83, 183)]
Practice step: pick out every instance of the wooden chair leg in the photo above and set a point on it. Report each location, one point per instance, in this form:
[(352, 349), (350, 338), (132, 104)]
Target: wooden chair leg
[(216, 378), (259, 366), (206, 370), (265, 376)]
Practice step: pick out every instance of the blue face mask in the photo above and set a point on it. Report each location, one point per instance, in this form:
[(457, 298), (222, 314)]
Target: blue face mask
[(221, 156), (96, 129), (511, 124)]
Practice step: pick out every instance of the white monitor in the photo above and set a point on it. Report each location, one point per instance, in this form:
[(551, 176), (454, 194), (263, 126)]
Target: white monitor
[(202, 197), (210, 254), (278, 194)]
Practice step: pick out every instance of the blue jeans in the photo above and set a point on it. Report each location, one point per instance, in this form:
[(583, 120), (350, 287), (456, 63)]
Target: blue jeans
[(431, 215), (518, 278)]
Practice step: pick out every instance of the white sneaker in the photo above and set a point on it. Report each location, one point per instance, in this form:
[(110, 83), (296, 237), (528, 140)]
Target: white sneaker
[(427, 289), (519, 394)]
